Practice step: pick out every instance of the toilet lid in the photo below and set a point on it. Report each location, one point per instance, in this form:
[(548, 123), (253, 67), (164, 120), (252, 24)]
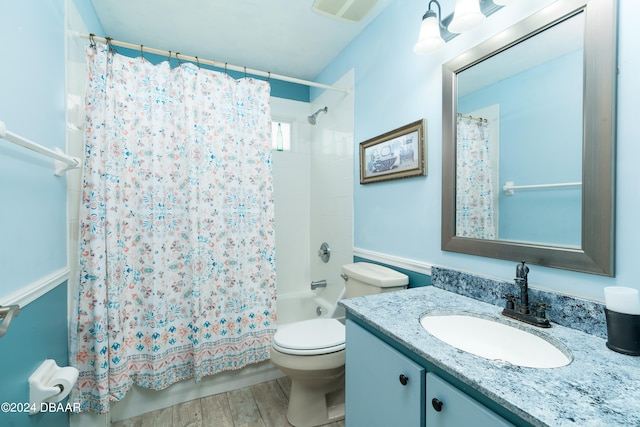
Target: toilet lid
[(309, 337)]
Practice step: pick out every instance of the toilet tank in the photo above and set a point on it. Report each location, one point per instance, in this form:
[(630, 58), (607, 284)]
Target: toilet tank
[(364, 278)]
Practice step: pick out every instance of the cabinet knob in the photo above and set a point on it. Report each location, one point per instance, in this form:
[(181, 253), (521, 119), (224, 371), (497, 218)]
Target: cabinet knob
[(404, 379), (437, 404)]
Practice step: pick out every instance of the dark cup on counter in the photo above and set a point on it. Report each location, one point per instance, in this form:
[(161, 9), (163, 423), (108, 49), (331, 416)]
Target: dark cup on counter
[(623, 332)]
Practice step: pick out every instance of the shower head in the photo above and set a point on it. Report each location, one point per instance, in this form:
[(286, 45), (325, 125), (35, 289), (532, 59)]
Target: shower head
[(312, 118)]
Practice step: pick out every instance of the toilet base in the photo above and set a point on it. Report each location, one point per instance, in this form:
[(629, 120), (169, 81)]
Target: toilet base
[(317, 395), (318, 404)]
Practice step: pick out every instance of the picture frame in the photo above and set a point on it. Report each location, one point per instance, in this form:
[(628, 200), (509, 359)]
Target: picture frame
[(400, 153)]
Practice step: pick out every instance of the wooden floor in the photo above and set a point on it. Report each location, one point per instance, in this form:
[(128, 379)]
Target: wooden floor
[(262, 405)]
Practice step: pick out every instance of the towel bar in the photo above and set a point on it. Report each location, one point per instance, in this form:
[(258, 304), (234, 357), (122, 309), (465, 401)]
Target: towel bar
[(7, 313)]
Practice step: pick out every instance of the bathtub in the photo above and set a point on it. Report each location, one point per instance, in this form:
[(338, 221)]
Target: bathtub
[(294, 307)]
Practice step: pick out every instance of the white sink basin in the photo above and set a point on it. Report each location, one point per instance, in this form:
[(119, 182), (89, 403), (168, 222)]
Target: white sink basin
[(495, 341)]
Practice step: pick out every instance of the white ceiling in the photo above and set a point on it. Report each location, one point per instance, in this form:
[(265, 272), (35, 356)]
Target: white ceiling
[(279, 36)]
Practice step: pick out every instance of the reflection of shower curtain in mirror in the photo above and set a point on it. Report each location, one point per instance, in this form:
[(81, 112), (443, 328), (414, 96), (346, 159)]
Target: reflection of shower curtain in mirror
[(475, 213), (177, 264)]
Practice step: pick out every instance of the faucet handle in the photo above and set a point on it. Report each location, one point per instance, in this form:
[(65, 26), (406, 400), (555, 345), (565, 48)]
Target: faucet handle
[(539, 308), (510, 301)]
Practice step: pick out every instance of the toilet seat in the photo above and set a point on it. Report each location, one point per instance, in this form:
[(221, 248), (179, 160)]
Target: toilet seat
[(310, 337)]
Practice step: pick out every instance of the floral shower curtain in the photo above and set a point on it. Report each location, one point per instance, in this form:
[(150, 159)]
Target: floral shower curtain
[(177, 264), (475, 212)]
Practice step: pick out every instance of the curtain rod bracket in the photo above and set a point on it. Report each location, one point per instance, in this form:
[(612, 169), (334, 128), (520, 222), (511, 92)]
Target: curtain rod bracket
[(60, 167)]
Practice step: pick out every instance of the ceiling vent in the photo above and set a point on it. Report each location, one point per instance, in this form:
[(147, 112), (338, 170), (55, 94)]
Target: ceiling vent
[(344, 10)]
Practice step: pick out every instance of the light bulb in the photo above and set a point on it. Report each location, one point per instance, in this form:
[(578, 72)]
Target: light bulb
[(429, 38), (466, 15)]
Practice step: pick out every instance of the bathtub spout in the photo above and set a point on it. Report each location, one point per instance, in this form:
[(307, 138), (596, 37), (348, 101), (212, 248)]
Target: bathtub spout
[(318, 284)]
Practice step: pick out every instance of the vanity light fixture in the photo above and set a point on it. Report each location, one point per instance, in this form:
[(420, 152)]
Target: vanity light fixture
[(436, 30), (429, 38), (466, 15)]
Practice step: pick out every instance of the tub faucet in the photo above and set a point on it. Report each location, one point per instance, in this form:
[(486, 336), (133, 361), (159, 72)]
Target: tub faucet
[(523, 311), (318, 284)]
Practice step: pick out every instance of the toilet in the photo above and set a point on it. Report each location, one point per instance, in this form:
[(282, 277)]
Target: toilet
[(312, 352)]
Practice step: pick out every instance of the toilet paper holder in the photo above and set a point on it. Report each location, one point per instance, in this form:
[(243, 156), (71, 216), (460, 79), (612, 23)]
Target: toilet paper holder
[(50, 383)]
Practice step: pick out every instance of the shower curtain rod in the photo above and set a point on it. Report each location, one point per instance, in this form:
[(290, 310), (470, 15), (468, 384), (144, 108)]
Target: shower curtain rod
[(217, 64), (480, 119)]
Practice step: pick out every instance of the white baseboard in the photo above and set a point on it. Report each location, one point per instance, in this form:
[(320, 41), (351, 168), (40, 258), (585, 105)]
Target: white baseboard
[(406, 263)]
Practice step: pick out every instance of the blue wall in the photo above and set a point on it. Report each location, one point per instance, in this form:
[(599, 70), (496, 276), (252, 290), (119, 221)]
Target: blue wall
[(38, 333), (33, 228), (394, 87), (33, 222)]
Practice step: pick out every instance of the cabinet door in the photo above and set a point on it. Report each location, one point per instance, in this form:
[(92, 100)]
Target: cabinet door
[(449, 407), (383, 387)]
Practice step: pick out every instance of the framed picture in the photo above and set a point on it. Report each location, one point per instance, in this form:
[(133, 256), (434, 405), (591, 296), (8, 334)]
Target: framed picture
[(393, 155)]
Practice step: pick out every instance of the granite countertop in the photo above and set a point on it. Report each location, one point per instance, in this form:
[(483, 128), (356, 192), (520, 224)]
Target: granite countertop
[(599, 387)]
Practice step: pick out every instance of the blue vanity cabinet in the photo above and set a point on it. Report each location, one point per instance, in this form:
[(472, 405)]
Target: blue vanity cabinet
[(383, 387), (447, 406), (386, 386)]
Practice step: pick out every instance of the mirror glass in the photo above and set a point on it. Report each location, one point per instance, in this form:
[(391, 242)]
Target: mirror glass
[(528, 141), (519, 141)]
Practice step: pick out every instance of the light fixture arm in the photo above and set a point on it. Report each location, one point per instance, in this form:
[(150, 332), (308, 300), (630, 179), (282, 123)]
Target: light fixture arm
[(439, 11)]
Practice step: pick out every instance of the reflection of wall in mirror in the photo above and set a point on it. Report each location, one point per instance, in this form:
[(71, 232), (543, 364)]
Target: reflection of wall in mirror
[(541, 142)]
